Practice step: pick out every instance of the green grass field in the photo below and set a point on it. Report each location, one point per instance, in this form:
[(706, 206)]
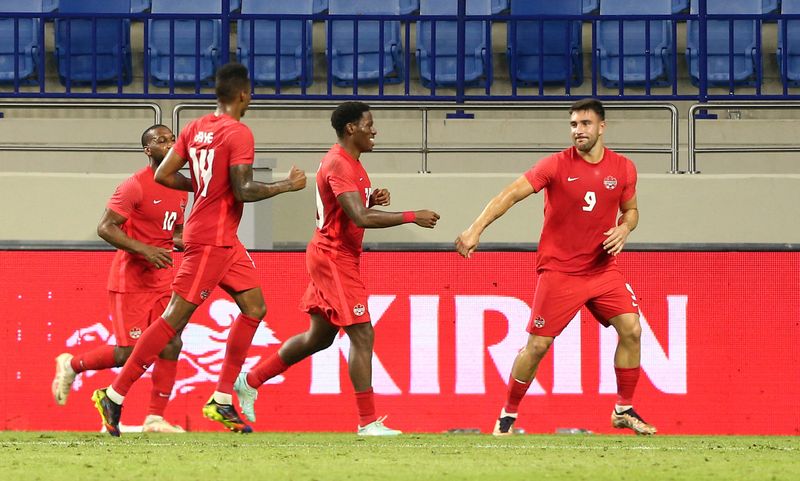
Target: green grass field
[(327, 456)]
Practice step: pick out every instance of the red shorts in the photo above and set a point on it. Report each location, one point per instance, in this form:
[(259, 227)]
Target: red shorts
[(560, 296), (204, 267), (336, 290), (132, 312)]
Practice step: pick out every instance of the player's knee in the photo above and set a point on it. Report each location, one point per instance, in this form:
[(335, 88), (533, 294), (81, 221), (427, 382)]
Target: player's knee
[(258, 311), (175, 345), (121, 354), (631, 331)]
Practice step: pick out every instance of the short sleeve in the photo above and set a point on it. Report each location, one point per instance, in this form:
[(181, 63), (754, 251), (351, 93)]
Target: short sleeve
[(242, 146), (341, 178), (630, 185), (542, 173), (125, 199)]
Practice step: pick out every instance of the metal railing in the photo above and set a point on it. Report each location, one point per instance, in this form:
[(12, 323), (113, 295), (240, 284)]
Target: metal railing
[(424, 149)]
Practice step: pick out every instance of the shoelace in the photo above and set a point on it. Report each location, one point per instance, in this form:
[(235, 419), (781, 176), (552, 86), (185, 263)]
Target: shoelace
[(381, 419)]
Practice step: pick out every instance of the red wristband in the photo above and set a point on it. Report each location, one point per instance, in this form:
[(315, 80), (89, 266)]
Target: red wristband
[(409, 216)]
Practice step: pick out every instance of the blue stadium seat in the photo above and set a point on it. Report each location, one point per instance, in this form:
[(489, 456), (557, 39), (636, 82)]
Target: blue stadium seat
[(369, 44), (194, 60), (27, 38), (634, 47), (235, 5), (679, 5), (265, 57), (790, 51), (725, 67), (107, 59), (320, 6), (769, 6), (548, 55), (590, 6), (139, 6), (49, 5), (408, 6), (440, 67), (498, 6)]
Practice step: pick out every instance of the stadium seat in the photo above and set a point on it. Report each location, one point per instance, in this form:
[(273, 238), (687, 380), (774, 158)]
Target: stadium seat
[(139, 6), (498, 6), (725, 67), (49, 5), (190, 60), (266, 55), (634, 48), (769, 6), (369, 44), (790, 51), (552, 55), (440, 66), (408, 6), (590, 6), (235, 5), (26, 54), (679, 5), (98, 50), (320, 6)]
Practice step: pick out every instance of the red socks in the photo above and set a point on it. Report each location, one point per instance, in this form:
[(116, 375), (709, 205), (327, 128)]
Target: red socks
[(94, 360), (164, 374), (266, 369), (366, 407), (153, 340), (239, 340), (516, 391), (626, 384)]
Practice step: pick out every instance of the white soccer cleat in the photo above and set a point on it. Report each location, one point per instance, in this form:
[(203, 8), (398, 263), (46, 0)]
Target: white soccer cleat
[(631, 420), (157, 424), (504, 426), (65, 376), (247, 396), (376, 428)]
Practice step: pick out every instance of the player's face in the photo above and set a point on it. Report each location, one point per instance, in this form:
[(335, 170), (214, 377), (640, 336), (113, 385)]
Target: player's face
[(364, 133), (161, 141), (585, 127)]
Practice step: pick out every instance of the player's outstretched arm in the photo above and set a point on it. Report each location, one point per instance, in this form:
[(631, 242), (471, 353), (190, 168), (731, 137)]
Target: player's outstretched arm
[(245, 189), (467, 242), (617, 236), (109, 230), (376, 219), (168, 172)]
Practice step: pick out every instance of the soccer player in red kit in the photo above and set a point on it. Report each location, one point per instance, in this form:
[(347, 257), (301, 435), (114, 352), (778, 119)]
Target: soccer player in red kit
[(144, 221), (336, 297), (586, 187), (220, 151)]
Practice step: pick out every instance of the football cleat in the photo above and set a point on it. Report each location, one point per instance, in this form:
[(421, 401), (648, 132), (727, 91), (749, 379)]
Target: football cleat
[(227, 415), (504, 426), (247, 396), (157, 424), (376, 428), (631, 420), (109, 411), (65, 376)]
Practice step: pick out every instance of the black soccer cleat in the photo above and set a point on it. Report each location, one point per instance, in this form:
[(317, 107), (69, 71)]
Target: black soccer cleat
[(504, 426), (109, 411), (227, 415)]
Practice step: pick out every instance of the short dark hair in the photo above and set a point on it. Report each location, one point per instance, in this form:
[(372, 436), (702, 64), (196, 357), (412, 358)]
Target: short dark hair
[(147, 135), (346, 113), (589, 104), (231, 79)]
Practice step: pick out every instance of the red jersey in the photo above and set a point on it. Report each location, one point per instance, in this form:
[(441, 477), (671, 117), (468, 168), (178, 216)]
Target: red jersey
[(212, 144), (338, 173), (581, 201), (151, 211)]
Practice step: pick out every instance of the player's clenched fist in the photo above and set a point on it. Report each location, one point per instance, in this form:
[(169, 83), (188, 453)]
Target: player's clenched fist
[(297, 179), (466, 243), (426, 218), (380, 197)]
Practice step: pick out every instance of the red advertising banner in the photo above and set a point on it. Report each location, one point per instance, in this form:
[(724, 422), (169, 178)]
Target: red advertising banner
[(720, 345)]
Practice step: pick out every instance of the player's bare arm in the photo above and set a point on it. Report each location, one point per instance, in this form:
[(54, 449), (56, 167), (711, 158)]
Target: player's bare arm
[(380, 197), (245, 189), (628, 221), (109, 230), (168, 173), (376, 219), (467, 242)]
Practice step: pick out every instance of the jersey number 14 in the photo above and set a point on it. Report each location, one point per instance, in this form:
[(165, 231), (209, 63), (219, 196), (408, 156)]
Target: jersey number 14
[(202, 163)]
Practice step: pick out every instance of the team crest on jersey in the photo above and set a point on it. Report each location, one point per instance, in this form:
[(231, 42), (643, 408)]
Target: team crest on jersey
[(204, 294), (538, 323), (135, 333), (610, 182), (359, 309)]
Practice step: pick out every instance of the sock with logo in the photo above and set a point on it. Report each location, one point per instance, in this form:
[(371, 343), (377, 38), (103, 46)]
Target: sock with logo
[(626, 384), (152, 342), (516, 391), (164, 373), (97, 359), (266, 369), (365, 400), (239, 340)]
